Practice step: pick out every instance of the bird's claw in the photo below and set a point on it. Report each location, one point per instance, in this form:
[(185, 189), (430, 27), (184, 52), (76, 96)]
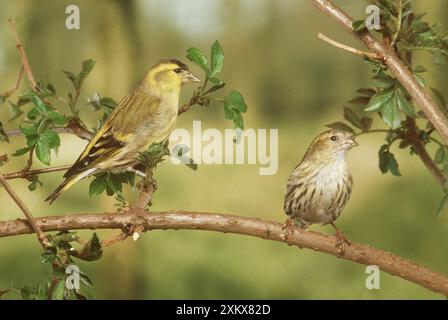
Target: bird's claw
[(340, 243), (288, 228)]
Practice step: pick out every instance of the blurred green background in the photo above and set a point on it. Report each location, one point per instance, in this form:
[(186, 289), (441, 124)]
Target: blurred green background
[(291, 81)]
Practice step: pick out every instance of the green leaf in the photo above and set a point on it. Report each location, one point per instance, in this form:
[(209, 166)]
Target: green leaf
[(51, 138), (28, 131), (379, 100), (43, 152), (352, 117), (14, 111), (340, 126), (92, 250), (215, 80), (46, 141), (236, 101), (359, 25), (58, 291), (20, 152), (420, 69), (57, 118), (98, 185), (391, 114), (404, 104), (49, 255), (87, 66), (217, 56), (196, 56), (442, 204), (421, 81), (440, 155), (33, 186), (41, 106), (238, 120), (387, 161), (3, 135), (383, 81), (229, 113)]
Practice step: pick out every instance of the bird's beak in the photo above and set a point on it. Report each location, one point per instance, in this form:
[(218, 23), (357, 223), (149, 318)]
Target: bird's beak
[(190, 77), (353, 142)]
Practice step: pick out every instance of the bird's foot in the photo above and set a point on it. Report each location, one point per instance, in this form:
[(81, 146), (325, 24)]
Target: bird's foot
[(288, 228), (341, 241)]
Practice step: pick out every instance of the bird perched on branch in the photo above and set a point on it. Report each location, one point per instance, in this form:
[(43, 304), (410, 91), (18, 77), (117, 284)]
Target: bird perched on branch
[(320, 186), (147, 115)]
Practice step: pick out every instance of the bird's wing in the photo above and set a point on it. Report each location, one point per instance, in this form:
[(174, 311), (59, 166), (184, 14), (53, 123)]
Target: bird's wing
[(108, 140)]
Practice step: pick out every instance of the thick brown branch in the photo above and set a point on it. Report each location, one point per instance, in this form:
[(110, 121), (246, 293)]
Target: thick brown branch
[(31, 221), (139, 219), (420, 95), (23, 57)]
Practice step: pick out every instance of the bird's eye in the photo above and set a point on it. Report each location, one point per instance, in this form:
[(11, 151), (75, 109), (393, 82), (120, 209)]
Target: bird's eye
[(333, 138), (177, 70)]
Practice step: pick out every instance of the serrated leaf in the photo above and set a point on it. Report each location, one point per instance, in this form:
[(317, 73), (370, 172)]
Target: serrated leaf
[(98, 185), (51, 138), (49, 255), (57, 118), (92, 250), (196, 56), (387, 161), (236, 101), (43, 152), (217, 59), (340, 126), (378, 101), (391, 114), (404, 104), (40, 105), (383, 82), (28, 131)]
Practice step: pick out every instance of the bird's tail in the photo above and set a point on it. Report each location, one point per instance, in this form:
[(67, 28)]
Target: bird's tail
[(67, 183)]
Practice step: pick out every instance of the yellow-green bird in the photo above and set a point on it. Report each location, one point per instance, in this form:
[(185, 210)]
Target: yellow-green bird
[(145, 116)]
